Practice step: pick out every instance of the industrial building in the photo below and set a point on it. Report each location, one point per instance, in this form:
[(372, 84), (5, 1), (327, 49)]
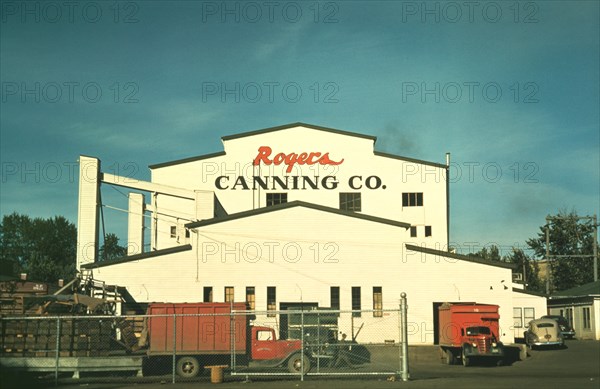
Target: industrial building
[(298, 215)]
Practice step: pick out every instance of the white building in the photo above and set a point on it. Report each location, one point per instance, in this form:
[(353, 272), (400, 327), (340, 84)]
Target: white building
[(581, 307), (296, 214)]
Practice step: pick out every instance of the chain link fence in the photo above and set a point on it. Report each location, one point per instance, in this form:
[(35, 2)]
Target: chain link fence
[(184, 342)]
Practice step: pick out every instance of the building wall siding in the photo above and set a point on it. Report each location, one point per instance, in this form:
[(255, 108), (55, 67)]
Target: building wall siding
[(360, 253)]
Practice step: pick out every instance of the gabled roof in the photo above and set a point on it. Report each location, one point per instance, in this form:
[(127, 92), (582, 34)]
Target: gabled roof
[(461, 257), (293, 204), (298, 124), (407, 159), (591, 288), (529, 292), (137, 257), (186, 160), (292, 125)]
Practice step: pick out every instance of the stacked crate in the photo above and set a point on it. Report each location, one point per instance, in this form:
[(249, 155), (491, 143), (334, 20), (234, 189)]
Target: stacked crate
[(12, 294), (38, 337)]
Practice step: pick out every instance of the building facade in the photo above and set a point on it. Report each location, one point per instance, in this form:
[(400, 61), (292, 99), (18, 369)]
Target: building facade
[(296, 215)]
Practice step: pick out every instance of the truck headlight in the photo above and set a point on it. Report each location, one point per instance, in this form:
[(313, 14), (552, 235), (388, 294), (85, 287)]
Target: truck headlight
[(494, 344), (474, 344)]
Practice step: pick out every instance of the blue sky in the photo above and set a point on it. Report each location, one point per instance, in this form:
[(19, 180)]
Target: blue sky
[(510, 89)]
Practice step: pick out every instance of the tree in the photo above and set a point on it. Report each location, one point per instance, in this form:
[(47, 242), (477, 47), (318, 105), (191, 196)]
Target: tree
[(493, 254), (527, 266), (110, 249), (569, 236), (523, 264), (45, 249)]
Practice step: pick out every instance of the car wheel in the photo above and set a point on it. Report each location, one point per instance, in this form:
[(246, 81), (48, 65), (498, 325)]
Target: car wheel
[(188, 367), (299, 363), (450, 358), (465, 360)]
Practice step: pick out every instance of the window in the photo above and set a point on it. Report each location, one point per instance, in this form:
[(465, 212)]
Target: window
[(187, 233), (271, 300), (173, 231), (250, 297), (412, 199), (518, 318), (377, 301), (350, 202), (570, 316), (335, 297), (229, 294), (529, 314), (276, 198), (356, 301), (264, 335), (586, 318), (208, 295), (427, 230), (413, 232)]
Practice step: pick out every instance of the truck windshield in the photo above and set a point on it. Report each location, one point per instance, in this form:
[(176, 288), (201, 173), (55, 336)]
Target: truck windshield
[(478, 331)]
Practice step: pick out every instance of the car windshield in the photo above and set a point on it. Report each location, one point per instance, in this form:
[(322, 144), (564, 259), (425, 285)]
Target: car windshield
[(544, 325), (478, 331), (560, 319)]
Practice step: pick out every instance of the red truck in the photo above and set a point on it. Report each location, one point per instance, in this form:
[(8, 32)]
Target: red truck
[(210, 340), (469, 331)]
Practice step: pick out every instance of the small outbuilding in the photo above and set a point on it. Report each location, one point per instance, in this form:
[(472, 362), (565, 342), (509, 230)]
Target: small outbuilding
[(581, 307)]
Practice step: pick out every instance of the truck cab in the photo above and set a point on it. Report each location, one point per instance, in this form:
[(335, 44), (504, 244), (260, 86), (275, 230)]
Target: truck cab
[(265, 346), (480, 341), (468, 331)]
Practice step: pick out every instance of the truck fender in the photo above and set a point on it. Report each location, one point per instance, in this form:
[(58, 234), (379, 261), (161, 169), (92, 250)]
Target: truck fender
[(468, 347)]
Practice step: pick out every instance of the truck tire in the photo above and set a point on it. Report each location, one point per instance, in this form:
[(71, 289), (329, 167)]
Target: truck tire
[(188, 367), (450, 357), (465, 360), (299, 363)]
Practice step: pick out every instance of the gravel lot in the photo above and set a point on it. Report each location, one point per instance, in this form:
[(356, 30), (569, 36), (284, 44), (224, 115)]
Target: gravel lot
[(576, 366)]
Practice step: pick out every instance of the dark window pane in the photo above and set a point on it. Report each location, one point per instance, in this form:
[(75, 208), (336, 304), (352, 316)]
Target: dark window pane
[(208, 294), (276, 198), (356, 300), (335, 297), (427, 230), (350, 202)]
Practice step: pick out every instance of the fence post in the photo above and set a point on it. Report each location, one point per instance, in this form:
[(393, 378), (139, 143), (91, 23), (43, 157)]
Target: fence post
[(232, 329), (302, 350), (403, 314), (174, 345), (57, 350)]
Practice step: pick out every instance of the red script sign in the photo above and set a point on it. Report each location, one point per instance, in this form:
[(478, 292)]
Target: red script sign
[(291, 159)]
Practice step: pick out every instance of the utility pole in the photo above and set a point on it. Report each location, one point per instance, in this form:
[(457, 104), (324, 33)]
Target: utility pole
[(549, 262), (595, 248)]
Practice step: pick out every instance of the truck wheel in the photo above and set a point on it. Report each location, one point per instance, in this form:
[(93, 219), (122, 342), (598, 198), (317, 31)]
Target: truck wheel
[(188, 367), (450, 358), (298, 363), (465, 359)]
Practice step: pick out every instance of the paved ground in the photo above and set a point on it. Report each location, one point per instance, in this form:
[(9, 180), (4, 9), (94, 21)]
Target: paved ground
[(577, 366)]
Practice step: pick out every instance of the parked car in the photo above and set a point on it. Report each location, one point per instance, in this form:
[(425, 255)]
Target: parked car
[(565, 327), (544, 333)]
